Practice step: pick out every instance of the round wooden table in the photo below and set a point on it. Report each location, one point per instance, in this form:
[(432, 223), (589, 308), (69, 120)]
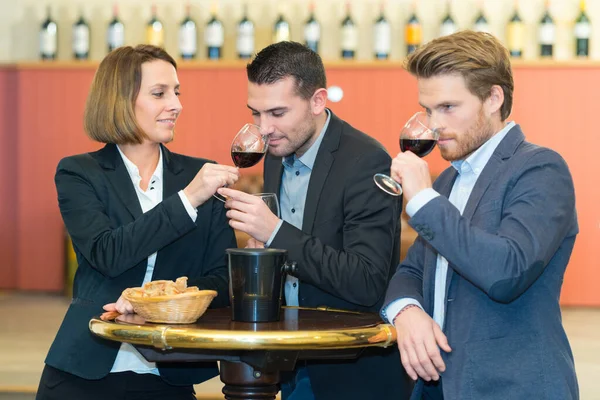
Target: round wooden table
[(252, 354)]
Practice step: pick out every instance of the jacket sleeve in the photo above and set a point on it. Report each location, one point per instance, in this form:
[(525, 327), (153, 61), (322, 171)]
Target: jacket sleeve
[(537, 214), (98, 239), (359, 271), (215, 273), (407, 282)]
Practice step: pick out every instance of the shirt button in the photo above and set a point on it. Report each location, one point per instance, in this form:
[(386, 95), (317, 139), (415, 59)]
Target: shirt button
[(295, 284), (293, 210), (297, 173)]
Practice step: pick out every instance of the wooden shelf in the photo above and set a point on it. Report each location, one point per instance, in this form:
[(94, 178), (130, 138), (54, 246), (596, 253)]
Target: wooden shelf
[(337, 64)]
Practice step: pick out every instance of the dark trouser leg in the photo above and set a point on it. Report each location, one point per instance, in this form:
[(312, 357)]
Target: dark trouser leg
[(60, 385), (433, 390)]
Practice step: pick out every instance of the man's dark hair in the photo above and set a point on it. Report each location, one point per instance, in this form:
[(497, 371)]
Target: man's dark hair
[(283, 59)]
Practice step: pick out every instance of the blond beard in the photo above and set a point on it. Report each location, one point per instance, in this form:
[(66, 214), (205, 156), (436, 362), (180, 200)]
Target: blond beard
[(473, 139)]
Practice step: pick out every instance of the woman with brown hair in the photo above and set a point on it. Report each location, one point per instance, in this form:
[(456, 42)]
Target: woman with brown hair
[(135, 212)]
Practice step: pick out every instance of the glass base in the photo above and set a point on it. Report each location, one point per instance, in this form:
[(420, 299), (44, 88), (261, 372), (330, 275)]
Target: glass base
[(387, 184), (220, 197)]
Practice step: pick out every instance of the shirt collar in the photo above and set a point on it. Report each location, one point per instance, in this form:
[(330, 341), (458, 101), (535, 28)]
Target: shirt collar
[(478, 160), (309, 157), (133, 170)]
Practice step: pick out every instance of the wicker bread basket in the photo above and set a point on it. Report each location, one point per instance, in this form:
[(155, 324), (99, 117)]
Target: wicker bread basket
[(184, 308)]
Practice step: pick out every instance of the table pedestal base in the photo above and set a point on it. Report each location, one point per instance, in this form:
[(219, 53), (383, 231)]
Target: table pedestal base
[(242, 382)]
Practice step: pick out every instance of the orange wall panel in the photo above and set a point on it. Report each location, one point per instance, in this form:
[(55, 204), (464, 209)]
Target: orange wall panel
[(50, 111), (379, 102), (8, 178), (557, 108)]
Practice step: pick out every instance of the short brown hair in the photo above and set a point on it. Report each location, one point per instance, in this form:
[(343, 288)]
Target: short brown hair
[(109, 115), (478, 57)]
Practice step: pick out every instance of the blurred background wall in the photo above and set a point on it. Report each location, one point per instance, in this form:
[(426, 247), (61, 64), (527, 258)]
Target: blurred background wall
[(41, 104)]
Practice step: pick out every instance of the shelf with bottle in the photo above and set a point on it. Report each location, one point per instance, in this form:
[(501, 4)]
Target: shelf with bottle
[(413, 31), (81, 38), (115, 33), (329, 64), (312, 30), (349, 35), (155, 30), (582, 32), (208, 42), (49, 37), (188, 35), (244, 44), (382, 35)]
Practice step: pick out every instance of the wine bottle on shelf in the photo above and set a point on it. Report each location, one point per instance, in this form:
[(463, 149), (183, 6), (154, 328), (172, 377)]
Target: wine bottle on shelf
[(481, 22), (413, 31), (245, 36), (382, 35), (188, 35), (515, 34), (281, 29), (155, 31), (115, 35), (214, 35), (312, 30), (583, 30), (448, 26), (48, 37), (349, 35), (547, 33), (81, 38)]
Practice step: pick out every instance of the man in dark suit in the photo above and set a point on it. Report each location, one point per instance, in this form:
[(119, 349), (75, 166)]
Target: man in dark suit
[(483, 279), (342, 231)]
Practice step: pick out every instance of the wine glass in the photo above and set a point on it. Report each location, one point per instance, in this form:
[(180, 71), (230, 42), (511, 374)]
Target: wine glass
[(416, 136), (248, 148), (271, 201)]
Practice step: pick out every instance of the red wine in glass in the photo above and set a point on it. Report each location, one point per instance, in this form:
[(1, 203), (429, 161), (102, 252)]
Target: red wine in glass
[(421, 147), (246, 159), (248, 148), (417, 137)]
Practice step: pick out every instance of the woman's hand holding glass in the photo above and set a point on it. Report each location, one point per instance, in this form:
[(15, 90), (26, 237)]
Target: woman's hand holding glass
[(206, 182), (248, 147)]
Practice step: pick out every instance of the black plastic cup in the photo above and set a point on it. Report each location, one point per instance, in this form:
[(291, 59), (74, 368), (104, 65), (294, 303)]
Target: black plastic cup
[(256, 283)]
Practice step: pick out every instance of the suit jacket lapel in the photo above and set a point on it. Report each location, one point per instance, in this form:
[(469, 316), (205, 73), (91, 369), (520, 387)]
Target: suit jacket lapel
[(173, 178), (272, 175), (506, 148), (112, 163), (444, 187), (320, 171)]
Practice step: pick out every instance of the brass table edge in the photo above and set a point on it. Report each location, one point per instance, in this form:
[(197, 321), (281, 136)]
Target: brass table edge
[(166, 337)]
